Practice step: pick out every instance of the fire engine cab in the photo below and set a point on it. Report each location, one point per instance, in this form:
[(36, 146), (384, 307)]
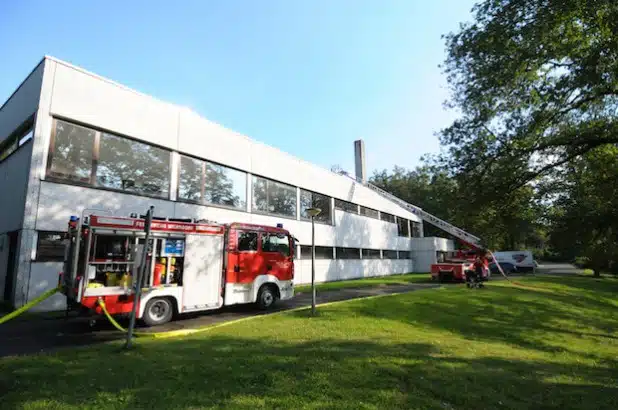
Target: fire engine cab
[(190, 266)]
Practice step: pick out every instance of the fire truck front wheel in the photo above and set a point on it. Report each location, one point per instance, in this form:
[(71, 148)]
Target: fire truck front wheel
[(158, 311), (267, 296)]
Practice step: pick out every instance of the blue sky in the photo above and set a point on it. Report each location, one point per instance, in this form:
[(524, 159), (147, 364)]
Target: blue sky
[(308, 77)]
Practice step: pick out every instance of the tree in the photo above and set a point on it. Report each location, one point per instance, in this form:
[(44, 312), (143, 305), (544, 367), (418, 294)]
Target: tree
[(585, 215), (536, 82), (511, 223)]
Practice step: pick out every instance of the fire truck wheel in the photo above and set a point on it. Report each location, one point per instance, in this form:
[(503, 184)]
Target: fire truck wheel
[(267, 297), (158, 311)]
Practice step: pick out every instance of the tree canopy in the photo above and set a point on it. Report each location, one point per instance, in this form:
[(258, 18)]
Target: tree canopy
[(531, 159)]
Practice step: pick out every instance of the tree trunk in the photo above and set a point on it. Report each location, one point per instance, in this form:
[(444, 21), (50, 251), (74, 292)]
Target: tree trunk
[(596, 273)]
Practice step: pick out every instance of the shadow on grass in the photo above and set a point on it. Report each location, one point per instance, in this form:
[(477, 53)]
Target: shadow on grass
[(242, 373)]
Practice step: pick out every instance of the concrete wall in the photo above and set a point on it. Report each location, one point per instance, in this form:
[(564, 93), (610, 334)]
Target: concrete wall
[(15, 170)]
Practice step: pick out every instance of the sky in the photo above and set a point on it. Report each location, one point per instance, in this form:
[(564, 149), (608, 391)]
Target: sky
[(307, 77)]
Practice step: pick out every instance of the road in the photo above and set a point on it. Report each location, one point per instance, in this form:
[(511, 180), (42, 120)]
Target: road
[(40, 335)]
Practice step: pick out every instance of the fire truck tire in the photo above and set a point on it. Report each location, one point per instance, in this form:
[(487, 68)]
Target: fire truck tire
[(158, 311), (267, 296)]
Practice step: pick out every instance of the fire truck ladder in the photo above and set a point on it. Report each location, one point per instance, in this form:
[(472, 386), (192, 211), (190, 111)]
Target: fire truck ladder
[(427, 217)]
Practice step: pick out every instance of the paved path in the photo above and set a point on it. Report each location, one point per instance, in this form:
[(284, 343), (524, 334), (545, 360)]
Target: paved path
[(37, 335)]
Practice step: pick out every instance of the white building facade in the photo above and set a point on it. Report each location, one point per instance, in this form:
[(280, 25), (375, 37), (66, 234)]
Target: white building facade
[(71, 140)]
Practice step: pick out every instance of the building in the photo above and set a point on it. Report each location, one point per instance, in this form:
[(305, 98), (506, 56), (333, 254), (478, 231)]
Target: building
[(71, 140)]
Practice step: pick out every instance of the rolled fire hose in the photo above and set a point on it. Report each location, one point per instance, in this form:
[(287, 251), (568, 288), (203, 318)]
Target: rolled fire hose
[(28, 305)]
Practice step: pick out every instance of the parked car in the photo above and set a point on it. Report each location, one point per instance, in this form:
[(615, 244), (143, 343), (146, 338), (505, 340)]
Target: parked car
[(507, 267)]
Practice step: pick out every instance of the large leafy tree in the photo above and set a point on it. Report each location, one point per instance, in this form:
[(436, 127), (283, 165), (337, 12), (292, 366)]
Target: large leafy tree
[(536, 83)]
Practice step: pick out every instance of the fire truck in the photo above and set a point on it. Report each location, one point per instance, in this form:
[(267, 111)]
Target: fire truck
[(456, 265), (190, 266)]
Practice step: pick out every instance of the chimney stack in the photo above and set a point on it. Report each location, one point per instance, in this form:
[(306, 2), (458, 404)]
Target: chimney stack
[(359, 161)]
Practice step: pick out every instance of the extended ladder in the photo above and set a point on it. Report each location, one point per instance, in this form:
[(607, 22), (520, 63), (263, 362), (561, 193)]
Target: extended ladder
[(427, 217)]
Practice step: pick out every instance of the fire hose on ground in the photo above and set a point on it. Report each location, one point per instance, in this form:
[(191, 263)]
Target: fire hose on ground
[(28, 305)]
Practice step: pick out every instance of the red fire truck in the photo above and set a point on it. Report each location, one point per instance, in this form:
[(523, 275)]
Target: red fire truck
[(190, 266), (456, 264)]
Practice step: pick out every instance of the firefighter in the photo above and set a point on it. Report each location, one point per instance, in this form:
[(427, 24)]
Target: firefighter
[(475, 277)]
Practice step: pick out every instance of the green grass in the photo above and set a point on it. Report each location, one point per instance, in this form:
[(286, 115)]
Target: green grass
[(550, 344), (405, 279)]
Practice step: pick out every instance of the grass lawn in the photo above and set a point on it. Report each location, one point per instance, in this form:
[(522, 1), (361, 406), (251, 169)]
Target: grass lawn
[(405, 279), (550, 344)]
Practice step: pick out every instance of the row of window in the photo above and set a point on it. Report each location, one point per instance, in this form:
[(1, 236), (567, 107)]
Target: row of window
[(50, 247), (16, 139), (329, 252), (96, 158)]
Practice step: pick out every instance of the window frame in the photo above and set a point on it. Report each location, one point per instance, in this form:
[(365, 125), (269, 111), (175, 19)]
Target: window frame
[(308, 219), (95, 160), (379, 255), (383, 214), (400, 231), (396, 253), (16, 136), (317, 255), (257, 241), (55, 258), (269, 234), (278, 215), (366, 208), (202, 201), (409, 253), (348, 248), (345, 210)]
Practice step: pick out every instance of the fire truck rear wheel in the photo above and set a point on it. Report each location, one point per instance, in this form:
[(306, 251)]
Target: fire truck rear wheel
[(267, 296), (158, 311)]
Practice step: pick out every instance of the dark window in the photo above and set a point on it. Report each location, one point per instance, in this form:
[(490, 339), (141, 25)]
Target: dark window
[(50, 246), (71, 152), (348, 253), (402, 227), (346, 206), (133, 166), (247, 241), (405, 255), (205, 182), (371, 254), (372, 213), (273, 197), (416, 229), (321, 252), (17, 138), (389, 254), (387, 217), (272, 242), (310, 199)]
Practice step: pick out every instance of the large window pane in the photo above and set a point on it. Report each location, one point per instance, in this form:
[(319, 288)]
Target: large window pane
[(225, 186), (321, 252), (405, 255), (310, 199), (402, 227), (371, 254), (191, 179), (387, 217), (273, 197), (50, 246), (71, 152), (389, 254), (346, 206), (347, 253), (133, 166), (371, 213), (416, 229)]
